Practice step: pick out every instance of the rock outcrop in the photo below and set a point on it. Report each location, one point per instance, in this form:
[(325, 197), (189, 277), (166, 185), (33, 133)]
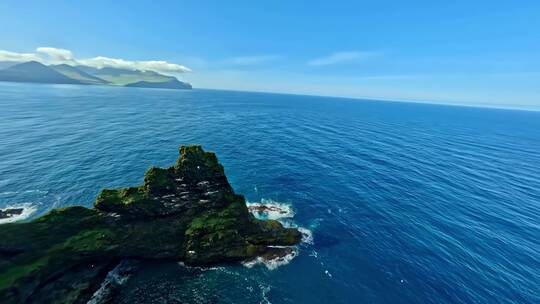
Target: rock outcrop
[(10, 212), (187, 212)]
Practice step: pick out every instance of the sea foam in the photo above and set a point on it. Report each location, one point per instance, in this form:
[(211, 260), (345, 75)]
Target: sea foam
[(269, 209), (28, 210), (274, 263)]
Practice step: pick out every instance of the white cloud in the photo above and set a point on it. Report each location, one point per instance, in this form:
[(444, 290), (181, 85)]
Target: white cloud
[(17, 57), (250, 60), (341, 58), (55, 54), (161, 65), (153, 65), (49, 55)]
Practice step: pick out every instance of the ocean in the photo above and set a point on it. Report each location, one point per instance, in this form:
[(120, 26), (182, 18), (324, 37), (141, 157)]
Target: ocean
[(401, 202)]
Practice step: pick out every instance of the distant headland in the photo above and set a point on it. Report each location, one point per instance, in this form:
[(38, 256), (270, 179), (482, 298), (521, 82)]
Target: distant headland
[(36, 72)]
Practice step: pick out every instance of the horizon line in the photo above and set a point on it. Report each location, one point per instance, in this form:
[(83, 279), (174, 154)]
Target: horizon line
[(382, 99), (535, 109)]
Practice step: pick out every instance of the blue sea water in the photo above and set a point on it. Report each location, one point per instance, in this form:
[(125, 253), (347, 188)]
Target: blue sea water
[(407, 203)]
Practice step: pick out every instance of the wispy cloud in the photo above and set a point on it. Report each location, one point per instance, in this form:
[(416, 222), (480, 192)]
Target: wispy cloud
[(342, 58), (61, 55), (250, 60), (50, 55), (153, 65), (17, 57)]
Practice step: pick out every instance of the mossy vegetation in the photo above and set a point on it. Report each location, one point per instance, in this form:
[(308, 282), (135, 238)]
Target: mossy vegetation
[(20, 271), (126, 200), (187, 212), (158, 180)]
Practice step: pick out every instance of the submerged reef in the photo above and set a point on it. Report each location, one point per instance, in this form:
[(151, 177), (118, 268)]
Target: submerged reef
[(188, 212)]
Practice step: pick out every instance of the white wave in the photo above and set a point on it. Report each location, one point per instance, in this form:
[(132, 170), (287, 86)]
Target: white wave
[(269, 209), (274, 263), (8, 193), (28, 210), (284, 213), (116, 277), (25, 191), (264, 292), (36, 191), (200, 268), (307, 235)]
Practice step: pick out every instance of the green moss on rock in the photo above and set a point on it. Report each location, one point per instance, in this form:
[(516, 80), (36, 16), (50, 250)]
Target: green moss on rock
[(187, 212), (158, 180)]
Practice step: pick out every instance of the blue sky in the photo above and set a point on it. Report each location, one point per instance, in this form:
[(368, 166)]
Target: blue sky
[(472, 52)]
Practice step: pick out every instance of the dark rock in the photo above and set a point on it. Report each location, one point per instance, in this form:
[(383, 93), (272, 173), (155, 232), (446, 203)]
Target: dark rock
[(277, 253), (74, 285), (10, 212), (187, 212), (108, 291)]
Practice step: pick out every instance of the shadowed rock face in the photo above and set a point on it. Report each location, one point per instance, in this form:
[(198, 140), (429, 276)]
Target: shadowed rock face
[(187, 212)]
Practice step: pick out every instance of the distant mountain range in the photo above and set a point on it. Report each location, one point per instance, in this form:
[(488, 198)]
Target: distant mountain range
[(37, 72)]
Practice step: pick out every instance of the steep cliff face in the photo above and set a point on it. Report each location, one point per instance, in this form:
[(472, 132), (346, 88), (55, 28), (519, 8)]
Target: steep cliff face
[(187, 212)]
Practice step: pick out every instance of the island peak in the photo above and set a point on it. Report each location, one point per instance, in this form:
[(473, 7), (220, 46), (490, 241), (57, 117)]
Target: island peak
[(187, 212)]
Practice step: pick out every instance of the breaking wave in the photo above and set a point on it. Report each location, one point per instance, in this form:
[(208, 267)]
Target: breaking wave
[(307, 235), (273, 263), (201, 268), (114, 279), (268, 209), (28, 210)]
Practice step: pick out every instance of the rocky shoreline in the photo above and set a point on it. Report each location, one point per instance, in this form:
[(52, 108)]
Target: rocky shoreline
[(188, 213)]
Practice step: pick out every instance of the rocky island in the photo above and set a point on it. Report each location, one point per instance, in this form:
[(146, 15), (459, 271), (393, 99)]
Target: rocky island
[(188, 212)]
